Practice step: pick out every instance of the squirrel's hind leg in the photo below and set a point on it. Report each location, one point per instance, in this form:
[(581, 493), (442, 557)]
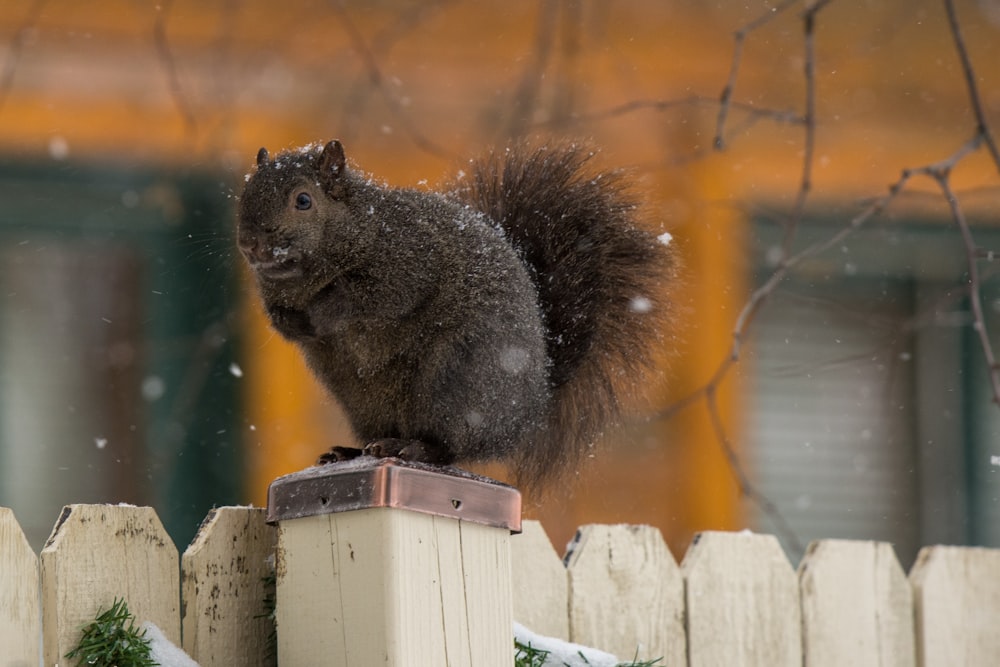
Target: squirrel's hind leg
[(339, 454), (410, 450), (401, 448)]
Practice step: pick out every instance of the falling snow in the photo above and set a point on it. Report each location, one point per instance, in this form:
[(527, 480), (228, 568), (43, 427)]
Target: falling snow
[(153, 387), (640, 304), (58, 148)]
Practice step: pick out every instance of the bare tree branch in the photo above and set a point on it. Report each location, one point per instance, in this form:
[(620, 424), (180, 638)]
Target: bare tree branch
[(16, 46), (739, 38), (381, 43), (377, 80), (975, 100), (569, 56), (809, 141), (939, 171), (404, 23), (746, 487), (778, 115), (760, 295), (525, 98), (974, 285), (169, 65)]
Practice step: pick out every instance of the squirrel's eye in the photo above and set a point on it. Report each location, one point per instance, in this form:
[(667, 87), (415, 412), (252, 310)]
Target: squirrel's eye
[(303, 201)]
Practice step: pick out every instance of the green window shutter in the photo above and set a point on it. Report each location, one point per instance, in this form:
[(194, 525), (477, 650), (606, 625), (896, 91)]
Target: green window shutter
[(117, 343)]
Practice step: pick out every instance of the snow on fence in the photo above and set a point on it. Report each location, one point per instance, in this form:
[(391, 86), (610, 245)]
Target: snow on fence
[(734, 600)]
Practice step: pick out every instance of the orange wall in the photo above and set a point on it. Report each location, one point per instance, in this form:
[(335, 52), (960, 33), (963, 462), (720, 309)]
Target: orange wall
[(209, 82)]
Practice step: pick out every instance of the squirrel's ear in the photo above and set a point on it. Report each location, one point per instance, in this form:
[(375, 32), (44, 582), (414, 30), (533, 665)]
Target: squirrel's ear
[(331, 161), (262, 157)]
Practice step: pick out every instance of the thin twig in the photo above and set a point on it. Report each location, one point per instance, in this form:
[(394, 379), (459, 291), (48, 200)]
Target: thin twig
[(16, 46), (377, 80), (942, 174), (746, 487), (940, 171), (526, 94), (566, 80), (759, 296), (753, 304), (169, 65), (975, 100), (404, 23), (743, 321), (809, 140), (974, 283), (632, 106), (739, 37)]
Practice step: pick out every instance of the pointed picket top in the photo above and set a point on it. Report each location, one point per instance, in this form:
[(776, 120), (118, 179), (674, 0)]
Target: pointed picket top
[(742, 602), (227, 573), (626, 593), (857, 606), (97, 553), (18, 594), (540, 584), (956, 594)]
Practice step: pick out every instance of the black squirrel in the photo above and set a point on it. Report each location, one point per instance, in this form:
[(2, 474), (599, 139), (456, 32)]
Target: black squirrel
[(501, 319)]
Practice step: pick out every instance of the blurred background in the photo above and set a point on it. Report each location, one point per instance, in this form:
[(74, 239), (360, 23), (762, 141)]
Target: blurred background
[(136, 366)]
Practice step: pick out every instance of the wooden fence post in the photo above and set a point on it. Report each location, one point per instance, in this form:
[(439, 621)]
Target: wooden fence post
[(541, 601), (18, 595), (857, 606), (390, 563), (742, 602), (957, 599), (97, 553), (225, 575), (626, 594)]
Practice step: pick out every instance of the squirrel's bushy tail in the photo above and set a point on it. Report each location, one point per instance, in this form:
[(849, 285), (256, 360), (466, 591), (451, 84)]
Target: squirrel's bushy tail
[(601, 279)]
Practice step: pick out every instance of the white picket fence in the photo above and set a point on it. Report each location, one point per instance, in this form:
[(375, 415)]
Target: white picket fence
[(734, 600)]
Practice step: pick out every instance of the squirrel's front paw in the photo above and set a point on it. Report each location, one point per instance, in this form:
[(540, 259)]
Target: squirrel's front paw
[(290, 323), (410, 450)]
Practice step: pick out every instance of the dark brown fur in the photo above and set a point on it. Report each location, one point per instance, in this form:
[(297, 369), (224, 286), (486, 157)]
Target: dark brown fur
[(501, 320)]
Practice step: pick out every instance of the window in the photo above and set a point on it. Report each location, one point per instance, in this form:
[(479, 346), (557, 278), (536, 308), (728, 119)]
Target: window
[(116, 344), (869, 413)]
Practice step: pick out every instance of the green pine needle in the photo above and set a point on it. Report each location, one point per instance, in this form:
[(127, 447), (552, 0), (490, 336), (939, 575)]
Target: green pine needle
[(112, 640), (526, 655), (642, 663)]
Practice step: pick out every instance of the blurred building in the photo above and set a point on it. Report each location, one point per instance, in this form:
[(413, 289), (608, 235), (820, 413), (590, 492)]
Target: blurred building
[(135, 364)]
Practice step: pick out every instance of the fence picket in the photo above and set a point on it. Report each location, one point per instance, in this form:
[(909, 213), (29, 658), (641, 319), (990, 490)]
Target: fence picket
[(97, 553), (223, 586), (540, 585), (18, 594), (957, 600), (742, 602), (738, 594), (626, 593), (857, 606)]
